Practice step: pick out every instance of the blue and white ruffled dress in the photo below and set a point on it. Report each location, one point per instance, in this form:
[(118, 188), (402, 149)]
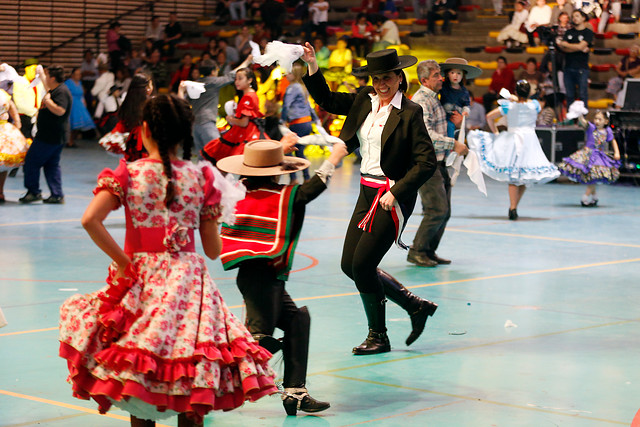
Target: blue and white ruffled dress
[(514, 156)]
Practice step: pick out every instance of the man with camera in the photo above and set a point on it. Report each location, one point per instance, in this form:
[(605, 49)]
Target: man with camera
[(576, 44)]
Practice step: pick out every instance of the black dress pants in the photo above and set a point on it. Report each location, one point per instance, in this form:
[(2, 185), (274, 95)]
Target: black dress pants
[(269, 306)]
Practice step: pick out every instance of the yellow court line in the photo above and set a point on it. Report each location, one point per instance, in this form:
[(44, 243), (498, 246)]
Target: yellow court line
[(446, 282), (481, 400), (404, 414), (68, 406), (28, 332), (50, 221), (475, 346), (529, 236)]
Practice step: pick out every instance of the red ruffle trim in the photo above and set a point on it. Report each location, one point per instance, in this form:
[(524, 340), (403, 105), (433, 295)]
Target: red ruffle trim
[(111, 314), (200, 401), (171, 370)]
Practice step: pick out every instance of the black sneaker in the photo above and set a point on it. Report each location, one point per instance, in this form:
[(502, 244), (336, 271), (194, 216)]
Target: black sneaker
[(54, 200), (30, 198)]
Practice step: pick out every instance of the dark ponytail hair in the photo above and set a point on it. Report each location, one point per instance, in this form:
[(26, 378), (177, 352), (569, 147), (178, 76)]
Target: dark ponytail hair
[(170, 120), (130, 112)]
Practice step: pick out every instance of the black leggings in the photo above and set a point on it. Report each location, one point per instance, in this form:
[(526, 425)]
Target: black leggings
[(363, 251)]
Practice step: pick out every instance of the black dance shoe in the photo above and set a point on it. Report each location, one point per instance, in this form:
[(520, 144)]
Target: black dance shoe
[(376, 342), (513, 214), (30, 198), (419, 319), (298, 399)]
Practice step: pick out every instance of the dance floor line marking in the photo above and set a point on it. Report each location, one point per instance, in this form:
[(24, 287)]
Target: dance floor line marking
[(446, 282), (404, 414), (472, 347), (68, 406), (555, 239), (47, 420), (482, 400)]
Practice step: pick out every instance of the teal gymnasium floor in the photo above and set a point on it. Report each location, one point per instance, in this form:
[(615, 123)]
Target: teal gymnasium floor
[(565, 276)]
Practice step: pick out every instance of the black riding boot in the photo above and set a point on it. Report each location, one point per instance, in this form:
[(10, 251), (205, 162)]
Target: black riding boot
[(377, 341), (419, 309), (295, 351)]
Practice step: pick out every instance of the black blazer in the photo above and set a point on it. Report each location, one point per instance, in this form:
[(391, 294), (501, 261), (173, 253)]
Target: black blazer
[(407, 155)]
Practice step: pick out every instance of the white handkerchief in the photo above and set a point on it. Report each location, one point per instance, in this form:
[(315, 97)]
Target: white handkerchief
[(276, 51), (474, 172), (318, 139), (194, 89), (230, 108)]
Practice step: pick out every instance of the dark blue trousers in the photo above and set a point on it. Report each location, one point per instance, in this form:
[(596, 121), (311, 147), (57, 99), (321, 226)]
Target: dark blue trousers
[(47, 157)]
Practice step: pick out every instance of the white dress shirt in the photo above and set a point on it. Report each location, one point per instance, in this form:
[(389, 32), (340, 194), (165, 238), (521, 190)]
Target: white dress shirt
[(370, 134)]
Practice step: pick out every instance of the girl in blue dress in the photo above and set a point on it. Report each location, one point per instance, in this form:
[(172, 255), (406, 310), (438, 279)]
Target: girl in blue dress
[(79, 119)]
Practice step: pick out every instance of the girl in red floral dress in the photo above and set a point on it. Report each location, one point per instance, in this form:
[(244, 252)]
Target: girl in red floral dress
[(158, 340), (243, 126)]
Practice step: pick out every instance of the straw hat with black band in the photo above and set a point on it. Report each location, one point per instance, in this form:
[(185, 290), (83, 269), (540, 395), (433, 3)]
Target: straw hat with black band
[(262, 157), (384, 61), (470, 71)]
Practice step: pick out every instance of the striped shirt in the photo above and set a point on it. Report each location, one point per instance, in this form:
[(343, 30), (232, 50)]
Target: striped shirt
[(435, 120)]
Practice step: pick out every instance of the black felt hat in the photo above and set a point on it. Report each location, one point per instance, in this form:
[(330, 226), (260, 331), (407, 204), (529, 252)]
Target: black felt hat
[(384, 61)]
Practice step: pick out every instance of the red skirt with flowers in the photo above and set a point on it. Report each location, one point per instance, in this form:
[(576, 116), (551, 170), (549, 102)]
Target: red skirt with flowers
[(161, 342)]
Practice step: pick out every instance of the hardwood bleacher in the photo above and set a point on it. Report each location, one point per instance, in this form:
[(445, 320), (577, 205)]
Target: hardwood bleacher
[(37, 28)]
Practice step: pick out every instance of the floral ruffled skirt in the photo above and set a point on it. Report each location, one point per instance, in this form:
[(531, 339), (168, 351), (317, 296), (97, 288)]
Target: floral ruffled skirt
[(590, 166), (13, 146), (161, 342)]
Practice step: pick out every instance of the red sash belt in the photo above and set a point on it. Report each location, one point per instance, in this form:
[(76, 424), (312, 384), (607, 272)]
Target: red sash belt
[(159, 239), (383, 185)]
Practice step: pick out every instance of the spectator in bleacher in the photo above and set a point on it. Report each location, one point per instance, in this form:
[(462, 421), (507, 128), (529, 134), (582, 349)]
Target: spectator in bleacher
[(100, 90), (322, 53), (112, 36), (514, 33), (232, 56), (539, 15), (122, 79), (370, 7), (89, 71), (533, 76), (238, 10), (546, 67), (361, 35), (501, 78), (389, 10), (387, 34), (442, 9), (212, 49), (182, 73), (274, 14), (172, 34), (628, 67), (205, 108), (547, 113), (134, 62), (242, 40), (154, 31), (576, 44), (222, 12), (591, 8), (260, 32), (340, 64), (609, 8), (319, 15), (561, 6), (476, 118), (420, 7), (157, 69), (497, 7)]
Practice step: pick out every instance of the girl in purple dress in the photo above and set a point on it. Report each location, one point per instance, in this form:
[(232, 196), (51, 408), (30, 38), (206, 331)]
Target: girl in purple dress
[(591, 165)]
